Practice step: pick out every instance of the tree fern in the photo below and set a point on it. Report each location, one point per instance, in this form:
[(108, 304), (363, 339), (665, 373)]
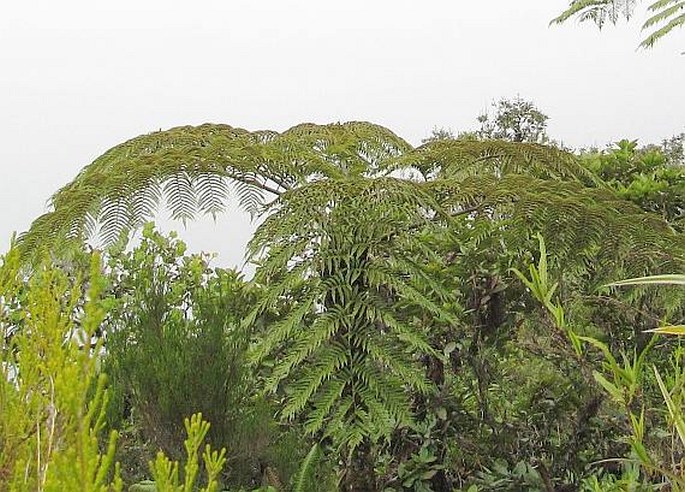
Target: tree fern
[(345, 241), (529, 187), (347, 358)]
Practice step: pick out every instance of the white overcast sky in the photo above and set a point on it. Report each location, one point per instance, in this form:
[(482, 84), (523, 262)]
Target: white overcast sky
[(79, 76)]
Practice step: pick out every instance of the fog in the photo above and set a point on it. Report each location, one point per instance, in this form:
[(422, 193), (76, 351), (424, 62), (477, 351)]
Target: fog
[(77, 77)]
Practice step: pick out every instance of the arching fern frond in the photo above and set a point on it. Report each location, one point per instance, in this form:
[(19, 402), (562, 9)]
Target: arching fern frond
[(578, 222), (192, 170), (212, 194), (462, 158), (348, 149), (181, 196), (123, 188)]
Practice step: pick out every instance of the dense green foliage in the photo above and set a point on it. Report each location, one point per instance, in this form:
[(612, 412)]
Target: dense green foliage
[(389, 339), (175, 347), (650, 177)]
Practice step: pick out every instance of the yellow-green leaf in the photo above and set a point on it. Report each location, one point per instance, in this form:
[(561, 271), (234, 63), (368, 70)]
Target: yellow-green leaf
[(668, 330)]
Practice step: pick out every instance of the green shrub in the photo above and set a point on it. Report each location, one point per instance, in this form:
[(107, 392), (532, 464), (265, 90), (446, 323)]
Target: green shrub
[(175, 347)]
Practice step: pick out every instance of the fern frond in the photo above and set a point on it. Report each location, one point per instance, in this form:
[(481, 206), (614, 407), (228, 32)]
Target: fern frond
[(330, 361), (354, 344), (674, 22), (191, 169), (306, 472), (212, 192), (462, 158), (662, 11), (597, 11), (665, 12), (181, 197)]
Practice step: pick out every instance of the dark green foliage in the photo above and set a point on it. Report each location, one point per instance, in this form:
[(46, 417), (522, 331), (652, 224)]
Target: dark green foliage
[(175, 347), (385, 322), (514, 391), (349, 357)]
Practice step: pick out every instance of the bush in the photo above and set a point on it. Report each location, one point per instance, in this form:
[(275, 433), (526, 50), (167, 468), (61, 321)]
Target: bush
[(176, 347), (52, 398)]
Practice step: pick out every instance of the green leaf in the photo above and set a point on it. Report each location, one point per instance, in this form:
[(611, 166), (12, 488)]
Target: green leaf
[(668, 330), (674, 411), (615, 393), (651, 280)]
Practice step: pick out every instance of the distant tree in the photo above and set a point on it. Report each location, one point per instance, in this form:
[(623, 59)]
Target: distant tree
[(516, 120), (664, 15), (674, 149), (439, 133), (442, 133)]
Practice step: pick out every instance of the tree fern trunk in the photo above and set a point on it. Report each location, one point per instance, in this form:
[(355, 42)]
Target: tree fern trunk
[(360, 475)]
